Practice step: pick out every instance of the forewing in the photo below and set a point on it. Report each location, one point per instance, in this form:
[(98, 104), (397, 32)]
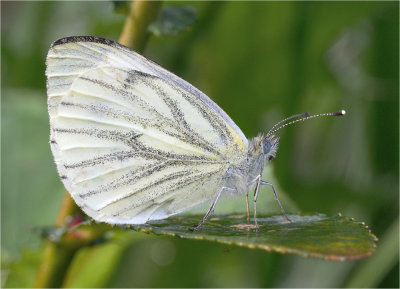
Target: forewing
[(129, 145), (69, 57)]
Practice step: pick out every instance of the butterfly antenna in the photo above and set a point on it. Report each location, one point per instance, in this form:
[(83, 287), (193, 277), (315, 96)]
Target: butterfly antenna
[(302, 115), (337, 113)]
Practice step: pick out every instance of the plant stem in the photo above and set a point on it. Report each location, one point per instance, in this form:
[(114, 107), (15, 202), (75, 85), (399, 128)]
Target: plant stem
[(56, 260), (135, 33), (57, 256), (68, 208)]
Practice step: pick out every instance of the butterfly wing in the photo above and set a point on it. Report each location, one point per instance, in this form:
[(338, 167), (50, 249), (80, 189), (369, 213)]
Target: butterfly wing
[(133, 142)]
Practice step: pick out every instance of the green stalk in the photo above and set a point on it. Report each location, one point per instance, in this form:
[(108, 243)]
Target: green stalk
[(135, 33), (56, 257)]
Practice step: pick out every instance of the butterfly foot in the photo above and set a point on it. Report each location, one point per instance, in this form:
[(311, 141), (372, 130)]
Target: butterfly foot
[(288, 221), (194, 228)]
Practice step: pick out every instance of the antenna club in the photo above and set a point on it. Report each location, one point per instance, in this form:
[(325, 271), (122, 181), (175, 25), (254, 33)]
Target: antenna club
[(339, 113)]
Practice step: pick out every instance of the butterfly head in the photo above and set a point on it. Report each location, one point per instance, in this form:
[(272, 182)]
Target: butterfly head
[(270, 145)]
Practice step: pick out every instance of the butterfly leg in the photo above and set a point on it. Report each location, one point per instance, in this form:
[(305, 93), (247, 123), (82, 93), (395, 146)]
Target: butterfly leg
[(211, 210), (265, 183), (248, 207), (257, 189)]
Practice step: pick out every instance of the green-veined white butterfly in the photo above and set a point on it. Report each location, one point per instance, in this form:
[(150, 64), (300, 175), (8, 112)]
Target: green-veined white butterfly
[(133, 142)]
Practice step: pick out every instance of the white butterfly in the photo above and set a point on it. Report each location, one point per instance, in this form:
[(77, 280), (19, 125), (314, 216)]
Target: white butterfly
[(133, 142)]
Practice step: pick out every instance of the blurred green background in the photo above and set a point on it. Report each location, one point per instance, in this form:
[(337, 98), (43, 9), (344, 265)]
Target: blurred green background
[(261, 62)]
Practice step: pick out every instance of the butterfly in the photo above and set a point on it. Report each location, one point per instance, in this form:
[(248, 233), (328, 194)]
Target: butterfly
[(133, 142)]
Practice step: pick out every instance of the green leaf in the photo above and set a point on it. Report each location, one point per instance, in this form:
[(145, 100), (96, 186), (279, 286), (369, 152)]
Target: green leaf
[(171, 20), (331, 238)]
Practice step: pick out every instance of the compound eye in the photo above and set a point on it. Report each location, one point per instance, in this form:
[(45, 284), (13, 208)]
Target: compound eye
[(266, 147)]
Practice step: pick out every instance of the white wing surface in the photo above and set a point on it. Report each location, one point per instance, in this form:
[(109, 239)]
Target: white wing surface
[(132, 141)]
